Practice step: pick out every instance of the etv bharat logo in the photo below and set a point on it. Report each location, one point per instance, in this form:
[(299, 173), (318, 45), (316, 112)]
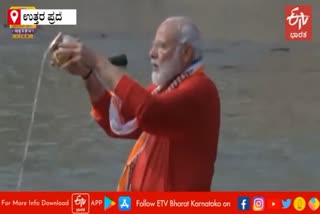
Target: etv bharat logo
[(80, 203), (298, 22)]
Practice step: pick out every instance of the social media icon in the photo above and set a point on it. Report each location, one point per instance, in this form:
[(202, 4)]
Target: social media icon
[(313, 204), (299, 204), (108, 203), (124, 203), (243, 203), (286, 203), (273, 203), (258, 203)]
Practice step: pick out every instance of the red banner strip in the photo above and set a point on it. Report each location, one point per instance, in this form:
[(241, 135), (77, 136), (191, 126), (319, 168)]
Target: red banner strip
[(116, 202)]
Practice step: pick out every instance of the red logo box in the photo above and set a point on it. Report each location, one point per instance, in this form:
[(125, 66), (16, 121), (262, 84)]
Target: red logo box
[(298, 22), (80, 203), (14, 16)]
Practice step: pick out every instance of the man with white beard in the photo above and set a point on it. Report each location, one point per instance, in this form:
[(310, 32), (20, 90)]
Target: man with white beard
[(176, 120)]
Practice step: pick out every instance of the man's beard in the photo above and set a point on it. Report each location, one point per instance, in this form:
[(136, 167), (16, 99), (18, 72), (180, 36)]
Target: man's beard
[(167, 70)]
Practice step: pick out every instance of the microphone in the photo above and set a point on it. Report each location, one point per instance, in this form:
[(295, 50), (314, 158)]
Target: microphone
[(119, 60)]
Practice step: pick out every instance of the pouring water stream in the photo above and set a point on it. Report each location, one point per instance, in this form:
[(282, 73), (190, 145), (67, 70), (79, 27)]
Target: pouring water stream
[(59, 38)]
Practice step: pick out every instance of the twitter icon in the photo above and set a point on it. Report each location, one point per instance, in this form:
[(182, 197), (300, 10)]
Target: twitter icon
[(286, 203)]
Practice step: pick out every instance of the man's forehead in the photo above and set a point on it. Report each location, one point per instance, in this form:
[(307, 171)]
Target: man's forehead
[(166, 32)]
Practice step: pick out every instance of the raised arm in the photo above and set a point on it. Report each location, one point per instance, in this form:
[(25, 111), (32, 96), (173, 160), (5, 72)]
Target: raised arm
[(167, 113), (180, 111), (100, 101)]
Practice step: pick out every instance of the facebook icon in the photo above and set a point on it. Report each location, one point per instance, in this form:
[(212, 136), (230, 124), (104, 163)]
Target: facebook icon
[(243, 203)]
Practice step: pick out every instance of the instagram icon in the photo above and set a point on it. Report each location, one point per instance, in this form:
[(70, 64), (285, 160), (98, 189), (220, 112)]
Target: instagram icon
[(258, 203)]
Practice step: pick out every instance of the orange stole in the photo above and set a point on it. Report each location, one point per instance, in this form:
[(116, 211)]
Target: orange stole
[(125, 178)]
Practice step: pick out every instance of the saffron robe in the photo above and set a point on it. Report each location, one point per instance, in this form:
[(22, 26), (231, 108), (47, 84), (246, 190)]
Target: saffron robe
[(183, 131)]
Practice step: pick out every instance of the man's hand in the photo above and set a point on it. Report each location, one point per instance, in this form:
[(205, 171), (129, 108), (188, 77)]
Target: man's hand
[(80, 60), (75, 58)]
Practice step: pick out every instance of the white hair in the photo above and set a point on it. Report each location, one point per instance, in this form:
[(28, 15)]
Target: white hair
[(188, 33)]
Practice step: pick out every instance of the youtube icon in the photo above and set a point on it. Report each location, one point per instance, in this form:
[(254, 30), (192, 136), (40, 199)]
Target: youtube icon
[(273, 204)]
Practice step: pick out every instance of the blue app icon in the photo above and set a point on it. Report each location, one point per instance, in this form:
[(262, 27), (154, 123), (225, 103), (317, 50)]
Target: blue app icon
[(124, 203), (243, 203), (286, 203)]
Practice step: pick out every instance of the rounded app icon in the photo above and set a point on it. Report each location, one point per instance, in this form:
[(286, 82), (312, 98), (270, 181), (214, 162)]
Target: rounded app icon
[(313, 204), (299, 204)]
